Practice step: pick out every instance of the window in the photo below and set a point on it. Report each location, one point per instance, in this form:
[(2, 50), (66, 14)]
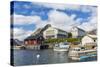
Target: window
[(50, 32), (51, 36)]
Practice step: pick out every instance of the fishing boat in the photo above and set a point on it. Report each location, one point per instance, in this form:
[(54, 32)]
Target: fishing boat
[(79, 54), (63, 46)]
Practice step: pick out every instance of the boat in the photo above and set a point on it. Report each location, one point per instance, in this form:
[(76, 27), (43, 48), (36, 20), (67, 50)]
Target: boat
[(63, 46), (80, 54)]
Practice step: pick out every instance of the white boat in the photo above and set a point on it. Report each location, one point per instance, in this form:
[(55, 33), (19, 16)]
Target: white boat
[(61, 46), (79, 54)]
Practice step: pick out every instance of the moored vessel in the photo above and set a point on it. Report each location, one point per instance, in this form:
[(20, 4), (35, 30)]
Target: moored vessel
[(79, 54), (63, 46)]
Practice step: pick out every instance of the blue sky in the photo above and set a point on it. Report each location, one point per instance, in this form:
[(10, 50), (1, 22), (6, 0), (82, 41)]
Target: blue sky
[(29, 16)]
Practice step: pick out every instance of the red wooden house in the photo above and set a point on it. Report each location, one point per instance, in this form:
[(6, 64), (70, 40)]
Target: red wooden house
[(34, 40), (37, 37)]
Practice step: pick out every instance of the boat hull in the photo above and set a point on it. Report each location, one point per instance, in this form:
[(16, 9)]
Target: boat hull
[(60, 49), (80, 55)]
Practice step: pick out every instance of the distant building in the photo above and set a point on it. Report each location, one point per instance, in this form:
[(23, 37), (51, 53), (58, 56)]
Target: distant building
[(52, 32), (77, 32), (89, 40)]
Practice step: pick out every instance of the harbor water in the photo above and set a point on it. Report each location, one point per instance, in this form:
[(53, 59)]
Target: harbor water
[(47, 56)]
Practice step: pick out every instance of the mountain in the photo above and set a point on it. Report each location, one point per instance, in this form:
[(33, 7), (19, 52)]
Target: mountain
[(37, 31), (93, 32), (16, 42), (40, 31)]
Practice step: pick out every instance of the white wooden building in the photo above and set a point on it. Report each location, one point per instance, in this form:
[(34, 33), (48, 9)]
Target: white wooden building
[(77, 32), (89, 40), (52, 32)]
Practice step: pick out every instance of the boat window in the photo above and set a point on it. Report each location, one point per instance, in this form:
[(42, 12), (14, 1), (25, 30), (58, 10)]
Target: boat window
[(78, 50), (66, 43), (56, 45), (82, 48)]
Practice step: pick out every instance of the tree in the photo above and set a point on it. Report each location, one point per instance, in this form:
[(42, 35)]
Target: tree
[(69, 35)]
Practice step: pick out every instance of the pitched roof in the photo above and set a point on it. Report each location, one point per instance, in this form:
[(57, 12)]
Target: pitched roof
[(79, 28), (31, 37), (60, 30), (92, 36), (37, 36)]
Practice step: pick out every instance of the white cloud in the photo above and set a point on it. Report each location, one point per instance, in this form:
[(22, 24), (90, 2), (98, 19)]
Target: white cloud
[(57, 19), (24, 20), (90, 9), (27, 6), (83, 8), (90, 25), (65, 22), (92, 20), (59, 6), (20, 33), (62, 20)]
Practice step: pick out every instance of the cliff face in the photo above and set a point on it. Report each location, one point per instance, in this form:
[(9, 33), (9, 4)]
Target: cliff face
[(41, 30), (37, 31), (44, 28)]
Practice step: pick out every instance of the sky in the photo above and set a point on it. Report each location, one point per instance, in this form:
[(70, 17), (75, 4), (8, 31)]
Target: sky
[(29, 16)]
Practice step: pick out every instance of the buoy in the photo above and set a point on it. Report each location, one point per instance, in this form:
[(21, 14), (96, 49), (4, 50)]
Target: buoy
[(37, 55)]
